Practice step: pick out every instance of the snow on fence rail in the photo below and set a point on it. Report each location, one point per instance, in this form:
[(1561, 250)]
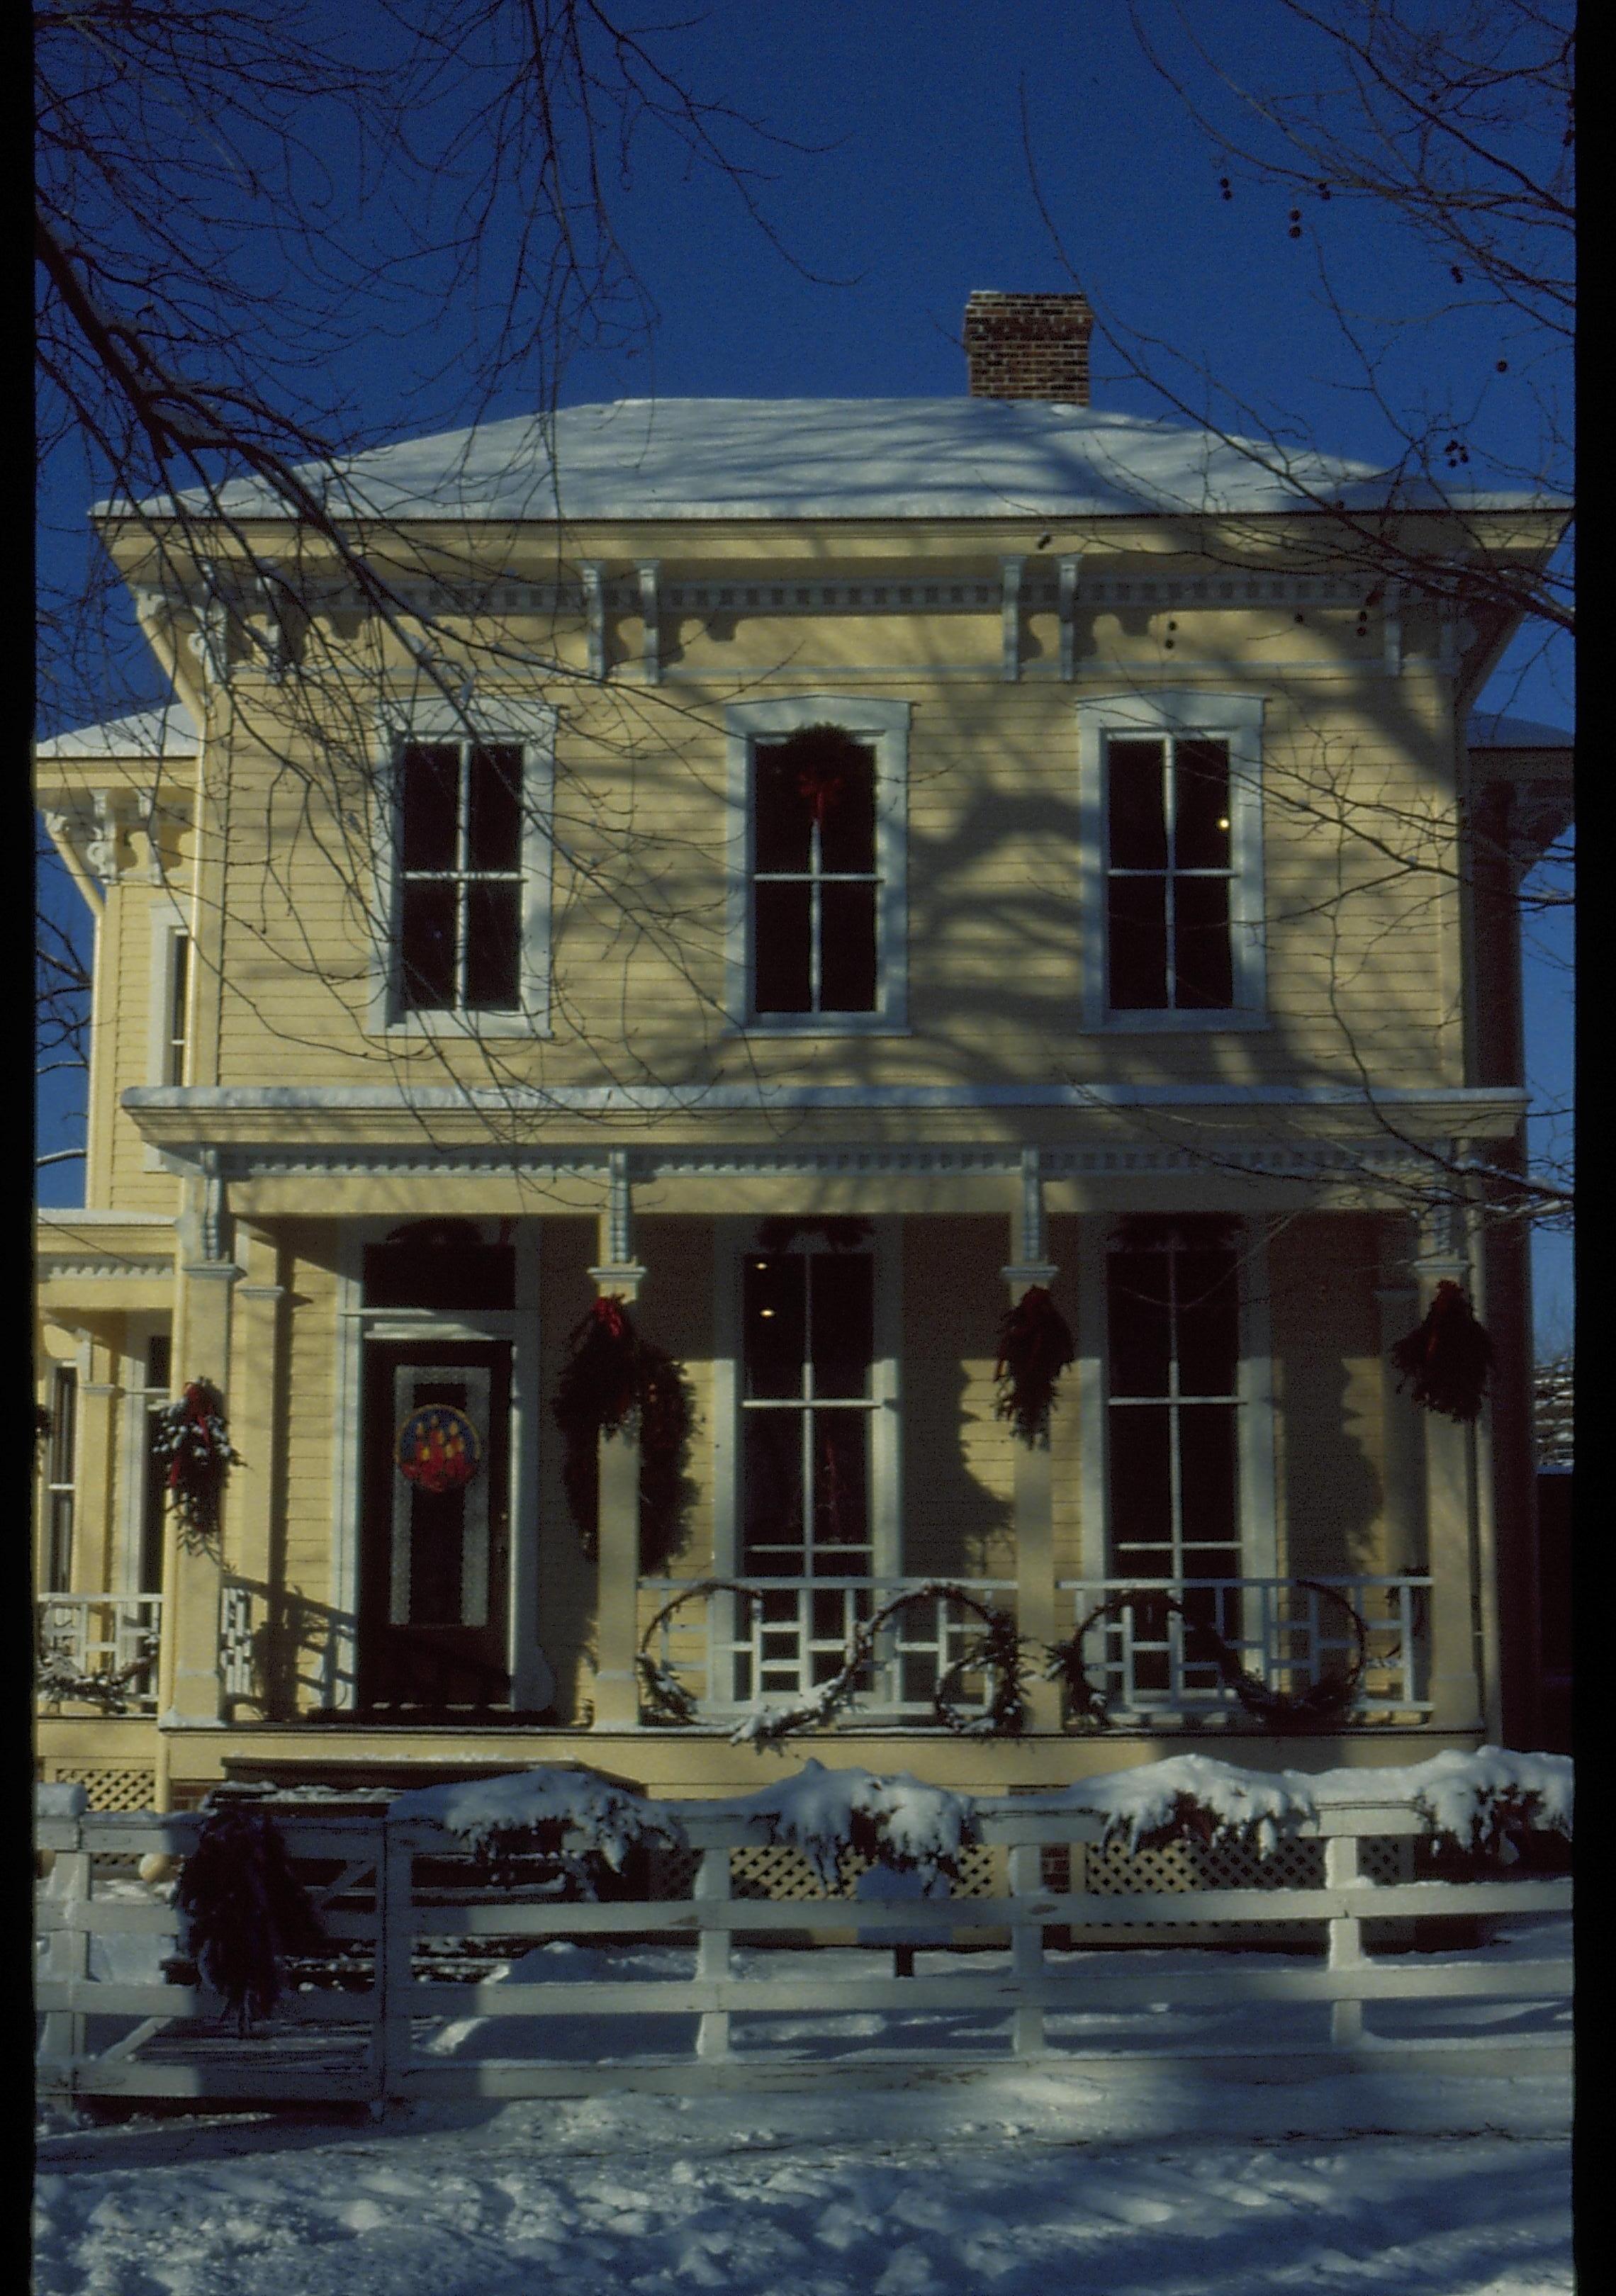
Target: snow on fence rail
[(663, 1991)]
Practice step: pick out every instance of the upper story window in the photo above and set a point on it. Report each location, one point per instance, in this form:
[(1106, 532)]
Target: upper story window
[(460, 877), (467, 870), (1174, 860), (818, 916), (179, 1007)]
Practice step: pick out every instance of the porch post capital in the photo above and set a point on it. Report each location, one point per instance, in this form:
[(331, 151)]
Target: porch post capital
[(619, 1279)]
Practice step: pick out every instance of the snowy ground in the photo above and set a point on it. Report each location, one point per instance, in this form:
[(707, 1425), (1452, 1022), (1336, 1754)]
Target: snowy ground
[(1006, 2182)]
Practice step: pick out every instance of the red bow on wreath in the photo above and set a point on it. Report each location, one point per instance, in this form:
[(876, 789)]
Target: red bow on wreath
[(821, 789)]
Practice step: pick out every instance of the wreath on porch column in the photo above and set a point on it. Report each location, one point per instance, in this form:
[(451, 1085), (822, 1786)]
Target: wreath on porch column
[(192, 1439), (1035, 1347), (613, 1378), (1447, 1356)]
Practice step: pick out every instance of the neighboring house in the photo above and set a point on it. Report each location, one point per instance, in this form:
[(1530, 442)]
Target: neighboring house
[(812, 871)]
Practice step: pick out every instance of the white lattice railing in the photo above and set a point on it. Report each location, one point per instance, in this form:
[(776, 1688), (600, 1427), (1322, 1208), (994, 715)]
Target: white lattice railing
[(100, 1650), (792, 1637), (1141, 1656)]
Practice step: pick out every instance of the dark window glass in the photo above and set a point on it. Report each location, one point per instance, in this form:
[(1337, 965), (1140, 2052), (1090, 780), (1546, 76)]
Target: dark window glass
[(1205, 965), (63, 1445), (844, 1326), (783, 948), (160, 1358), (773, 1532), (1208, 1321), (1141, 1491), (431, 788), (179, 1007), (846, 956), (493, 953), (1137, 920), (1201, 820), (844, 774), (841, 1499), (1141, 1322), (1137, 807), (494, 809), (783, 820), (776, 1325), (1207, 1480), (427, 936)]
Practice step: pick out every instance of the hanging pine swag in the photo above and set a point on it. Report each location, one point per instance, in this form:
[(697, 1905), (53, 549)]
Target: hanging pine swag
[(1448, 1358), (245, 1910), (1035, 1347), (612, 1377), (192, 1439)]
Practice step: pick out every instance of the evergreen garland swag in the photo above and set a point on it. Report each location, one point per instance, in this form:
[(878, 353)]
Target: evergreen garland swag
[(1448, 1358), (613, 1378), (1035, 1347), (191, 1438), (245, 1910)]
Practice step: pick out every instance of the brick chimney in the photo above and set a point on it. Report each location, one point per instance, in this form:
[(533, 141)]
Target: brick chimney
[(1028, 346)]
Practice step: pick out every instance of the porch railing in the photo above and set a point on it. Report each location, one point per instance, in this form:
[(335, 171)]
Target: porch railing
[(100, 1650), (783, 1638), (1143, 1656)]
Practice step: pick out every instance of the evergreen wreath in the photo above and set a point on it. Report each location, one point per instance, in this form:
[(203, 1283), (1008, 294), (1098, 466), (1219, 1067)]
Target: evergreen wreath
[(1447, 1356), (1035, 1347), (1321, 1705), (245, 1910), (613, 1379), (191, 1438)]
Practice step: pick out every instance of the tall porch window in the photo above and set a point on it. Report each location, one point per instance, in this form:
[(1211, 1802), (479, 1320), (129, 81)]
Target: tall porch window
[(60, 1481), (808, 1403), (1173, 1403)]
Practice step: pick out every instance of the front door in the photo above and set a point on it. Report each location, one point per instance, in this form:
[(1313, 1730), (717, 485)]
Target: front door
[(435, 1559)]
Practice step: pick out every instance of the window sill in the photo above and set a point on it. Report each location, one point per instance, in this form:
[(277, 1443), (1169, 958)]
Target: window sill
[(474, 1026), (820, 1024)]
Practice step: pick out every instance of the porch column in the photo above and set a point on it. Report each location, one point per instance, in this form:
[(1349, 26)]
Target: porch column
[(1033, 1498), (1450, 1494), (100, 1396), (617, 1703), (258, 1350), (190, 1687)]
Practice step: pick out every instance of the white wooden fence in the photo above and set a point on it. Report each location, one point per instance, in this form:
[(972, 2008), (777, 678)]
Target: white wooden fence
[(384, 1891)]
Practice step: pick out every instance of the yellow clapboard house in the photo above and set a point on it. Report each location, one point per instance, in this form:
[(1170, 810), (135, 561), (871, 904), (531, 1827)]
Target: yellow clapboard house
[(807, 875)]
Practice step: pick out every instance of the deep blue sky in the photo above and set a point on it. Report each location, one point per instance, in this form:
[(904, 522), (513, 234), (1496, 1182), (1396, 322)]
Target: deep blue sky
[(921, 193)]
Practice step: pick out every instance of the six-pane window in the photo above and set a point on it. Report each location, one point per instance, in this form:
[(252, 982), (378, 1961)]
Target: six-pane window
[(1169, 873), (814, 922), (460, 877)]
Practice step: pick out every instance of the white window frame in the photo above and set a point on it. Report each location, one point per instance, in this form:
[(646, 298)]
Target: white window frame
[(885, 726), (490, 718), (1256, 1465), (1237, 719)]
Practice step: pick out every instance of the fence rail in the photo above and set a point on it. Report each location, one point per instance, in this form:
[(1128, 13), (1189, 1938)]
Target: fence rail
[(1140, 1652), (399, 1899)]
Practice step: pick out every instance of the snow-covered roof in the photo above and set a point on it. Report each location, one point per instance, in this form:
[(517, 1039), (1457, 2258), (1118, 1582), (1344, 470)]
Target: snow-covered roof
[(1501, 733), (790, 458), (169, 732)]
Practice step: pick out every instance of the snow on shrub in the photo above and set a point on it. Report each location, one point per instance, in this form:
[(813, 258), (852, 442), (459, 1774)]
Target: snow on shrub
[(1481, 1801), (897, 1822), (581, 1821), (1192, 1796)]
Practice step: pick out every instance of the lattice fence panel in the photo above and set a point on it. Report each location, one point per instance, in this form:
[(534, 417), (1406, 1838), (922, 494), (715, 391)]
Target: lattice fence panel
[(1115, 1872), (109, 1787), (776, 1872)]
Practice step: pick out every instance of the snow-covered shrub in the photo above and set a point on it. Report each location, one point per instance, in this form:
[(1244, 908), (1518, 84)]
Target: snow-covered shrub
[(1191, 1797), (893, 1821), (582, 1824), (1483, 1802)]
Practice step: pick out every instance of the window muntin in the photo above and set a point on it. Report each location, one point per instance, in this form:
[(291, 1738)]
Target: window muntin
[(460, 877), (816, 885), (60, 1482), (1173, 1401), (1170, 872), (808, 1405)]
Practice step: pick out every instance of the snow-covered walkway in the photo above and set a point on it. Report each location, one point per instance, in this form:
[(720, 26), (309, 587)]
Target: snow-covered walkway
[(1001, 2183)]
